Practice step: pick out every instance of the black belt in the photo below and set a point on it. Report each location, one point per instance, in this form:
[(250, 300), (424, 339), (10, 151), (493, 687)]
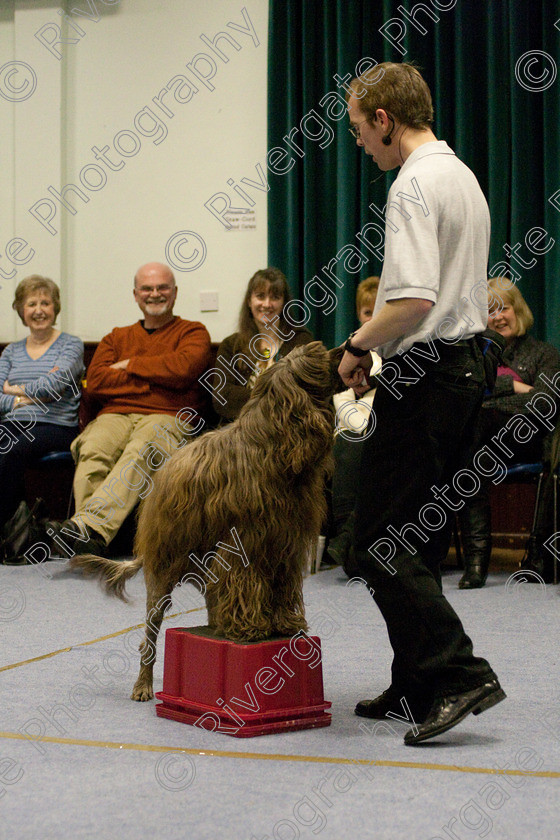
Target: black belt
[(442, 347)]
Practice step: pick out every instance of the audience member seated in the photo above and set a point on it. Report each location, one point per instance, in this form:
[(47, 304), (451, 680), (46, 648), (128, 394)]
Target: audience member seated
[(146, 378), (40, 378), (262, 338), (524, 362), (352, 415)]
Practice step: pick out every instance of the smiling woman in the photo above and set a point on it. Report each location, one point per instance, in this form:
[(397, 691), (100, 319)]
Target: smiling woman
[(39, 378), (263, 337), (527, 365)]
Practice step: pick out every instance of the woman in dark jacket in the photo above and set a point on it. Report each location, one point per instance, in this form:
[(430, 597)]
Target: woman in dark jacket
[(263, 337), (526, 366)]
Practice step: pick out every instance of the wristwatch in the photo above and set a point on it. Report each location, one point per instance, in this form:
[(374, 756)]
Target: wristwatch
[(355, 351)]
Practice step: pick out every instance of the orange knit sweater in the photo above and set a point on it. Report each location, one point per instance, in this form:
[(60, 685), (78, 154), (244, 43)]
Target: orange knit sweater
[(163, 371)]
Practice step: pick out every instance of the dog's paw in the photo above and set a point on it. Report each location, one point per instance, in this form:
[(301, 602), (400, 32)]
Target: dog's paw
[(142, 692)]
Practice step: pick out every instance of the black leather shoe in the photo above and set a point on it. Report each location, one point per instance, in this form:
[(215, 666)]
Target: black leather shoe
[(91, 543), (391, 701), (65, 547), (447, 712)]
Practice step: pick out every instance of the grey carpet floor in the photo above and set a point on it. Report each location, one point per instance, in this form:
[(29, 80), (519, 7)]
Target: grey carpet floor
[(78, 759)]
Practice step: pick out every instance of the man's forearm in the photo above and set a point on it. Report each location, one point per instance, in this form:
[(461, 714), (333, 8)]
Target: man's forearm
[(395, 319)]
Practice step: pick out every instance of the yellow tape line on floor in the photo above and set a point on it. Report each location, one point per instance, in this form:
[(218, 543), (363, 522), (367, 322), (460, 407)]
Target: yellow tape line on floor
[(93, 641), (312, 759)]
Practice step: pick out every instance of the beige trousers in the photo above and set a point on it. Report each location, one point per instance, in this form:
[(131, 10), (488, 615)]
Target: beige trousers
[(116, 456)]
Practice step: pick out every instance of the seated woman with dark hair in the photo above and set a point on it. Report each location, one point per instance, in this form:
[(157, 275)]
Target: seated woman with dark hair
[(519, 379), (262, 338), (40, 389)]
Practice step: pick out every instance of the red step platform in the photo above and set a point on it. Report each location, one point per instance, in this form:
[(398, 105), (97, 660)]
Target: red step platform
[(242, 689)]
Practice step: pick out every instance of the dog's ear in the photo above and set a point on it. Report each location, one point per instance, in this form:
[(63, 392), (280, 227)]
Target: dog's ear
[(293, 399), (316, 368)]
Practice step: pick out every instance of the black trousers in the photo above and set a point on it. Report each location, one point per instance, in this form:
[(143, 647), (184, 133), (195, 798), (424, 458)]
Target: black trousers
[(404, 512), (19, 450), (347, 452)]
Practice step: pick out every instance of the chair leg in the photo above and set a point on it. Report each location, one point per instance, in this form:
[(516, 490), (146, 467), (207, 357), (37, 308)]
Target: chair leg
[(536, 510), (532, 557), (70, 508), (457, 541), (555, 520)]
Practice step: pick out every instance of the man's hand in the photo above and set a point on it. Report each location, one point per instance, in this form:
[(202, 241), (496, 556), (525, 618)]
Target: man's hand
[(122, 365), (395, 319), (353, 371)]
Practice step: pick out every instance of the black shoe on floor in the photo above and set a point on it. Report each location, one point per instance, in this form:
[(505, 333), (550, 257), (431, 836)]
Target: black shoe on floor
[(395, 704), (447, 712), (90, 542)]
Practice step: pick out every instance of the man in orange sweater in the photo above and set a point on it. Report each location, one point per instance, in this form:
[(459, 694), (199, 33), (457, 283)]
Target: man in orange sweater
[(146, 378)]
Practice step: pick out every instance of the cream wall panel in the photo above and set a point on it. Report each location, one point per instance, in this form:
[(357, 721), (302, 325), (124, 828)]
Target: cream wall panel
[(142, 176)]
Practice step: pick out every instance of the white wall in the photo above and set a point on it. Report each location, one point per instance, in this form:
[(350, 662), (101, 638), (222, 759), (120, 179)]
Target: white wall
[(53, 110)]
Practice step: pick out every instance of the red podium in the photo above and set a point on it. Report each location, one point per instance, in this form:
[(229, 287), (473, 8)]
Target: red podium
[(242, 689)]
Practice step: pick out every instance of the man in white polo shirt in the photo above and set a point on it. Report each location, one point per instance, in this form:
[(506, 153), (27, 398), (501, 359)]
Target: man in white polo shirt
[(431, 303)]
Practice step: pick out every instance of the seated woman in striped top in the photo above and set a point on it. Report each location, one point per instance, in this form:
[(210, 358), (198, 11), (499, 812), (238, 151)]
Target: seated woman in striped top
[(39, 388)]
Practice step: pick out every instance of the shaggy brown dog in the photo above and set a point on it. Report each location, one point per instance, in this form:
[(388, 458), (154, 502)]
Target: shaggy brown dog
[(238, 510)]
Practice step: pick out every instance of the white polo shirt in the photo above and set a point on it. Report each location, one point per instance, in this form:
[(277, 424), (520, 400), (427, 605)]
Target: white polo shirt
[(437, 236)]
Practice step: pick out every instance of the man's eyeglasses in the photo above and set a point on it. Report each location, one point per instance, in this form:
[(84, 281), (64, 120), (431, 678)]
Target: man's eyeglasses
[(146, 290), (355, 130)]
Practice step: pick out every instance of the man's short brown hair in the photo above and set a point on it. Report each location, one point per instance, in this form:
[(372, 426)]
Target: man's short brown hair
[(398, 89)]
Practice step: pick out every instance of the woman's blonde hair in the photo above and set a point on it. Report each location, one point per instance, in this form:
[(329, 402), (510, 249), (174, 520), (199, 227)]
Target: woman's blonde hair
[(502, 292)]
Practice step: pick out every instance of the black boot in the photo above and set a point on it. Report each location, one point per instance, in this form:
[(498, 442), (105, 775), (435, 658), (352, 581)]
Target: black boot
[(539, 560), (476, 538)]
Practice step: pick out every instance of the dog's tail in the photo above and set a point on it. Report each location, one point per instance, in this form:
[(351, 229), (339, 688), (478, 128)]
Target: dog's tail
[(112, 573)]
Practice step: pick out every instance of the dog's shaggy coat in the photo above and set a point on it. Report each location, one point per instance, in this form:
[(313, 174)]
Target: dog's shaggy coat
[(256, 486)]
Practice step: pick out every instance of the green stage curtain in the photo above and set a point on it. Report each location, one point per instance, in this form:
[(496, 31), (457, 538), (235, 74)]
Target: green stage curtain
[(491, 67)]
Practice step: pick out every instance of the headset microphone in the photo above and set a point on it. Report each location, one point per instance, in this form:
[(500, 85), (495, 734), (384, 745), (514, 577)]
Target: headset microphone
[(387, 139)]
